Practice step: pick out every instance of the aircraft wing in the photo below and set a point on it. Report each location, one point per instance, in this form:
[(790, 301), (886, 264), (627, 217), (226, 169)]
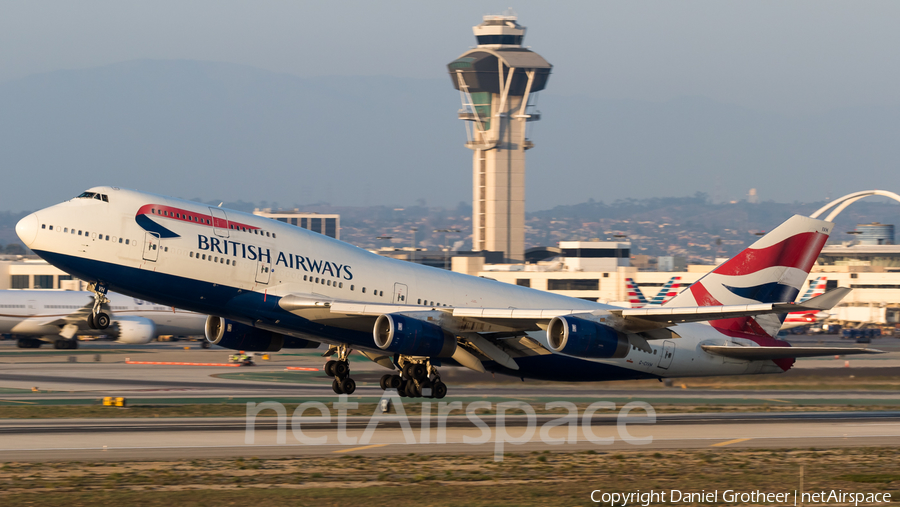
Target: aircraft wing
[(505, 320), (500, 334), (78, 317)]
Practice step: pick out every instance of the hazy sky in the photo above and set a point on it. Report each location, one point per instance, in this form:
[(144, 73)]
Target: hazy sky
[(786, 56)]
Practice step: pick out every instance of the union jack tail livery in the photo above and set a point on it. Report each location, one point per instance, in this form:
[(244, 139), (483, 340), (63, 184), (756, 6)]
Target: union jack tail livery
[(771, 270)]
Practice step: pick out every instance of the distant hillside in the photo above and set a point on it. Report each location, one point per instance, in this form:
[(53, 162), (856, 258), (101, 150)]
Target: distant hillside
[(228, 132)]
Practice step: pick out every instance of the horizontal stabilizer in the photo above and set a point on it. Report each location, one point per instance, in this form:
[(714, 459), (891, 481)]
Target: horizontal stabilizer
[(825, 301), (761, 353)]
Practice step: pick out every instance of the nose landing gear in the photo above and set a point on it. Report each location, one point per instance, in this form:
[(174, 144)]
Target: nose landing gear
[(98, 319), (340, 370)]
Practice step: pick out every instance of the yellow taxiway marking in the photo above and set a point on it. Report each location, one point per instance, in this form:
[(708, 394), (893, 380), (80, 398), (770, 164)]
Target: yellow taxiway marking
[(729, 442), (362, 448), (14, 401), (773, 399)]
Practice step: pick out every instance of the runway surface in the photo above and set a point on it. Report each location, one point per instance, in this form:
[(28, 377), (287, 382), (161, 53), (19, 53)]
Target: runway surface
[(27, 375), (45, 440)]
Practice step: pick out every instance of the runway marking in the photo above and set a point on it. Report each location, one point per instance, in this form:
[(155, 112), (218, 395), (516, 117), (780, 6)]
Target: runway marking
[(361, 448), (729, 442), (773, 399), (14, 401)]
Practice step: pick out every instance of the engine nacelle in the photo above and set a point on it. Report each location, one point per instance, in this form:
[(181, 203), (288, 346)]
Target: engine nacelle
[(134, 330), (585, 338), (409, 336), (234, 335)]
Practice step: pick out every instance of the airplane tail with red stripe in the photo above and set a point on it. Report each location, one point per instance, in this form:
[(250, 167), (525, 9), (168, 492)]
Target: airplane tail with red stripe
[(771, 270)]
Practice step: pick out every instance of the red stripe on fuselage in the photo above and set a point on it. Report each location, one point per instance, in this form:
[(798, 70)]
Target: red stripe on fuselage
[(183, 215), (799, 251)]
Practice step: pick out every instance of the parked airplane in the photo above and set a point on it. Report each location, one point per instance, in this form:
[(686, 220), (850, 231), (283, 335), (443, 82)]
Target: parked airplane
[(37, 316), (637, 299), (797, 319), (268, 284)]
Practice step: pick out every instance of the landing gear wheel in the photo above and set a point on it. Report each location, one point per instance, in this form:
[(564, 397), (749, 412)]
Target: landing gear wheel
[(336, 386), (401, 389), (395, 382), (385, 382), (329, 368), (73, 343), (204, 344), (60, 344), (90, 319), (423, 385), (101, 320), (407, 370), (439, 390), (418, 372), (340, 369), (348, 385)]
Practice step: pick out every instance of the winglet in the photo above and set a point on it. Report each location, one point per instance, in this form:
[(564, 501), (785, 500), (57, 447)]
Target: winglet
[(825, 301)]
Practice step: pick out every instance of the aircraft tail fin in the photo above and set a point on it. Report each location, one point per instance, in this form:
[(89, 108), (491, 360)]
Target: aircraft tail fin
[(771, 270), (635, 297), (669, 291), (816, 287)]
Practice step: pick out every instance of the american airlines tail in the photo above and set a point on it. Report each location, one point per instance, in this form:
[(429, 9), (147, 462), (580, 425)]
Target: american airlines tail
[(635, 296), (771, 270)]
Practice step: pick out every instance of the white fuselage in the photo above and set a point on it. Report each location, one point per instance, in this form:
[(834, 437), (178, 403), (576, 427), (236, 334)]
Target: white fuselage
[(185, 254)]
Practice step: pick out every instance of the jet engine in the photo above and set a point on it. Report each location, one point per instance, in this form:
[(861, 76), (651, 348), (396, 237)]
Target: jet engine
[(134, 330), (409, 336), (233, 335), (585, 338)]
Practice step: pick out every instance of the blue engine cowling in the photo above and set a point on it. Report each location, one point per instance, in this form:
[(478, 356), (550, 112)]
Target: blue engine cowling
[(234, 335), (585, 338), (409, 336)]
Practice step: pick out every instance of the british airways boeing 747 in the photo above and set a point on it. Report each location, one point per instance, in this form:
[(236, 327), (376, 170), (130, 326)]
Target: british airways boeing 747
[(268, 285)]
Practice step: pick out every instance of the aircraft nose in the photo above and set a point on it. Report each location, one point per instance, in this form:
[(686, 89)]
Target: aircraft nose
[(27, 229)]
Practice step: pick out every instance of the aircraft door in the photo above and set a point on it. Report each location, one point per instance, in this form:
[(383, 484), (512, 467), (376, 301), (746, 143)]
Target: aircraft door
[(151, 246), (220, 222), (667, 352), (263, 269), (400, 292)]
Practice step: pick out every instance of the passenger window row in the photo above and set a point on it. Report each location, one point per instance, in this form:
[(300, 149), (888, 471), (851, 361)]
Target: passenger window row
[(259, 232), (429, 303), (12, 306), (204, 257), (190, 217), (181, 216), (101, 237), (325, 281)]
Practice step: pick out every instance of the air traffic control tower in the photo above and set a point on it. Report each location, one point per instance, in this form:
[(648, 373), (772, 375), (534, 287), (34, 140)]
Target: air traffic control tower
[(497, 82)]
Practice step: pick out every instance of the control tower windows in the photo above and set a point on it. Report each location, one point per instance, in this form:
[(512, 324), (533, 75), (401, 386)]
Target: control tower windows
[(500, 39)]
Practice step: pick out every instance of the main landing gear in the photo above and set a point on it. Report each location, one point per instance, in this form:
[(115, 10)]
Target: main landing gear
[(340, 370), (418, 378), (98, 319)]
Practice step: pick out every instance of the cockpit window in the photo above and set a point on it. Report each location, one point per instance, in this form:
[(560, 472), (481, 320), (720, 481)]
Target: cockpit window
[(94, 195)]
